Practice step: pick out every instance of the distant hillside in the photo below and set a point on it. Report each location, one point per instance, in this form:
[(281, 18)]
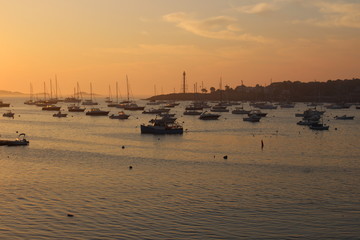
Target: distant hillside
[(9, 93), (347, 90)]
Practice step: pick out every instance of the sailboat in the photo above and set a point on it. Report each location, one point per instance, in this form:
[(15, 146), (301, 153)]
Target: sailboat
[(76, 107), (31, 98), (76, 97), (131, 106), (90, 101), (114, 104), (109, 98)]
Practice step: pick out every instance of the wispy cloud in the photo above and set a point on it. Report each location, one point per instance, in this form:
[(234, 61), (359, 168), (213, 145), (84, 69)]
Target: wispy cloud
[(259, 8), (219, 27), (334, 14), (338, 14)]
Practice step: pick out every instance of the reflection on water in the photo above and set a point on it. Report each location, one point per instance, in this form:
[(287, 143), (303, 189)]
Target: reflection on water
[(303, 184)]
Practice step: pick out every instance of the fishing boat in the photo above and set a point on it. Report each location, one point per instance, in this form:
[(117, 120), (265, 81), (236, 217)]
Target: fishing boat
[(160, 126), (9, 114), (19, 141), (344, 117), (120, 115), (97, 112), (209, 116), (60, 114)]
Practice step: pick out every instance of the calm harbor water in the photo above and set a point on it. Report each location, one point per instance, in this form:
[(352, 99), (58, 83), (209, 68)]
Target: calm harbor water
[(302, 184)]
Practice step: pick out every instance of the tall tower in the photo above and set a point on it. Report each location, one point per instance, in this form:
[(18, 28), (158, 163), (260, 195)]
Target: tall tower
[(184, 83)]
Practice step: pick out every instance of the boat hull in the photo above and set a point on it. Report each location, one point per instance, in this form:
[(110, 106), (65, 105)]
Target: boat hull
[(105, 113), (160, 130)]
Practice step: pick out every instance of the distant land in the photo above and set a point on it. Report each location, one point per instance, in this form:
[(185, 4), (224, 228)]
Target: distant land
[(347, 90), (9, 93), (40, 95)]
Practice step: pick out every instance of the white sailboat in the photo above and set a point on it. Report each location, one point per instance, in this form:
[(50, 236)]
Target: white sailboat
[(90, 101)]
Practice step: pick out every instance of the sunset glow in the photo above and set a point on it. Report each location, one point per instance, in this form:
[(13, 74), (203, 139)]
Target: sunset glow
[(153, 42)]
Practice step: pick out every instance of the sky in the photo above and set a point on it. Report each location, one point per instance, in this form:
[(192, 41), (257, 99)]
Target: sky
[(101, 42)]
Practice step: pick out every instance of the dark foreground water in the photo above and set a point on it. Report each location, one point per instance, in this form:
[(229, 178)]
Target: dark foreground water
[(302, 184)]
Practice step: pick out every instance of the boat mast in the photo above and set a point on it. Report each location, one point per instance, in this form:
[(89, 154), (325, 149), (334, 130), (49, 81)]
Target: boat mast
[(56, 87), (31, 92), (117, 93), (44, 92), (51, 89), (91, 91), (127, 87)]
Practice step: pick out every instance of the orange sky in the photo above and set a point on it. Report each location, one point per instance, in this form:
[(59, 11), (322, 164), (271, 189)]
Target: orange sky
[(153, 42)]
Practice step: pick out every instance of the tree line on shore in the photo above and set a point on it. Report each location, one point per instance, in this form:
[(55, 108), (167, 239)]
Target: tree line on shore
[(347, 90)]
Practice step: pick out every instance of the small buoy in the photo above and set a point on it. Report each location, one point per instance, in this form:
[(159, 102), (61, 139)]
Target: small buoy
[(214, 156), (70, 215), (17, 132), (123, 147), (262, 144), (130, 167), (335, 128), (225, 157)]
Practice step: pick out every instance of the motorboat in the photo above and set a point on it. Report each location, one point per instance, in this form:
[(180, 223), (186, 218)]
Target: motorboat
[(257, 112), (97, 112), (194, 107), (156, 111), (60, 114), (252, 118), (120, 115), (160, 126), (166, 114), (51, 108), (318, 126), (2, 104), (344, 117), (133, 107), (209, 116), (306, 122), (167, 119), (240, 110), (287, 105), (89, 102), (72, 100), (19, 141), (219, 108), (192, 112), (9, 114), (75, 108)]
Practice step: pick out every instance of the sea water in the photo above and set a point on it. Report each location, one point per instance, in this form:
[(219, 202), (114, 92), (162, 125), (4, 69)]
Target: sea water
[(74, 182)]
